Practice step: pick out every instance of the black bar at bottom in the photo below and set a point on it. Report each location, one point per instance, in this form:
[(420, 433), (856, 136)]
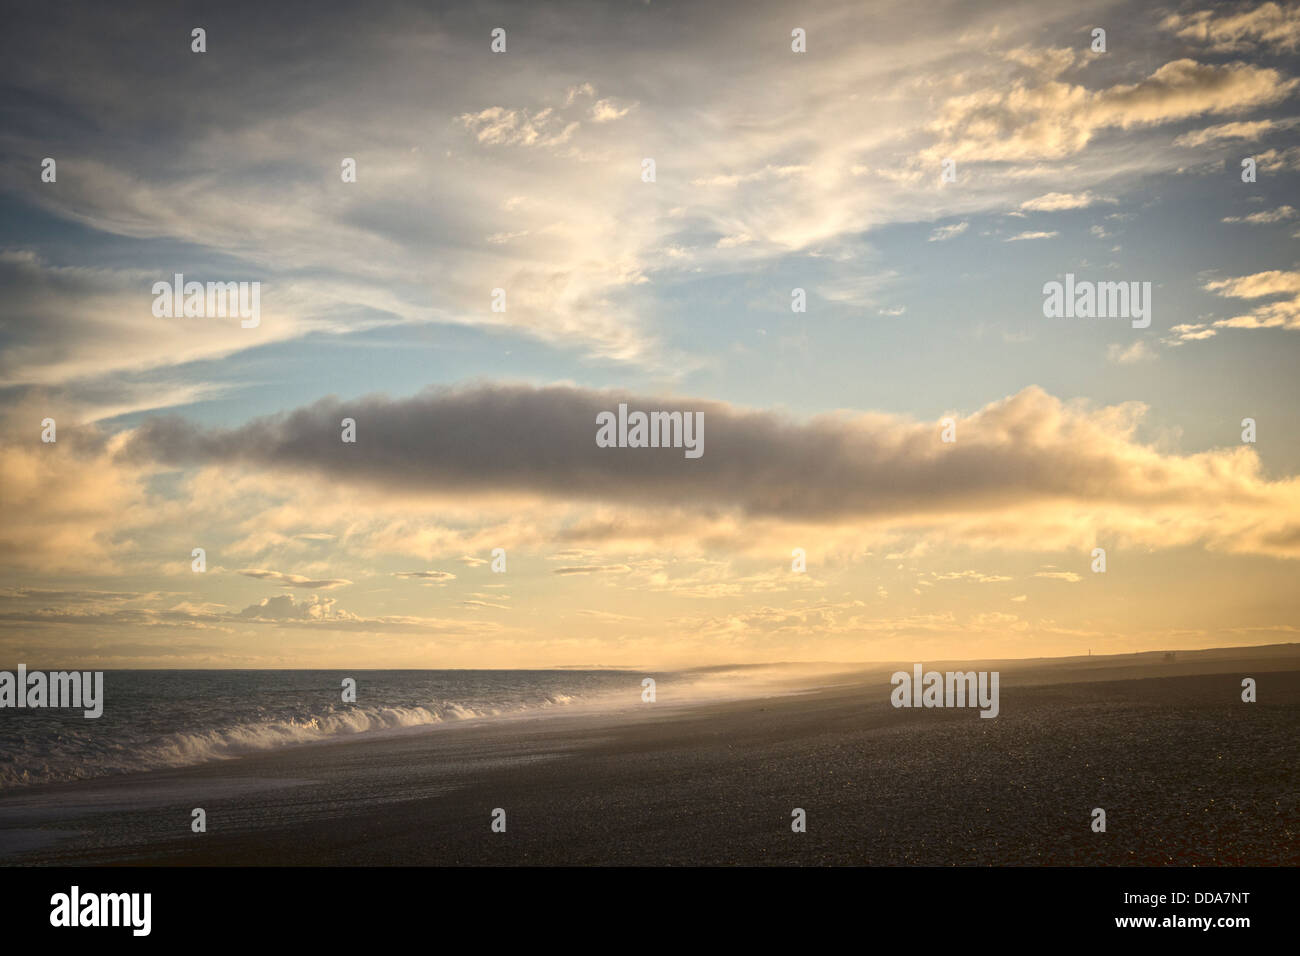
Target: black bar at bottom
[(338, 905)]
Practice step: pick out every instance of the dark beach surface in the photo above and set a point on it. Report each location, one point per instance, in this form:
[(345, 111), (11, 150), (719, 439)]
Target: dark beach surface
[(1187, 773)]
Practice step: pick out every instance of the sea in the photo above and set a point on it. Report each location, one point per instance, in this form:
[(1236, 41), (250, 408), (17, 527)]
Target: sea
[(156, 719)]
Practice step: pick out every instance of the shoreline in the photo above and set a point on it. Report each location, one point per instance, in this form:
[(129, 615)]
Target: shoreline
[(1188, 775), (781, 679)]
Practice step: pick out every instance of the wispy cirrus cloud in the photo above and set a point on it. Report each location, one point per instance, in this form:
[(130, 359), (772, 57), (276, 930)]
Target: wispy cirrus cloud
[(943, 233), (593, 569), (294, 580), (1056, 119), (1244, 130), (1055, 202), (1271, 25), (1068, 576), (1264, 217), (429, 577)]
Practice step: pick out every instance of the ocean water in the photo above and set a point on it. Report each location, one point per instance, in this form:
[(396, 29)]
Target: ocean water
[(157, 719)]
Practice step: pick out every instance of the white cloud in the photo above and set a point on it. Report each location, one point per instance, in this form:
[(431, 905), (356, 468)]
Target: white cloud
[(1053, 202), (1139, 351), (947, 232), (1272, 25), (1250, 130), (1264, 217)]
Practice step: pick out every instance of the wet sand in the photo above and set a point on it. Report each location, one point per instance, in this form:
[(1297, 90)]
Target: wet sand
[(1187, 773)]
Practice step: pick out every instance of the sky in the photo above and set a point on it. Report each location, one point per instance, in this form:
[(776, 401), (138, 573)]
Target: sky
[(920, 171)]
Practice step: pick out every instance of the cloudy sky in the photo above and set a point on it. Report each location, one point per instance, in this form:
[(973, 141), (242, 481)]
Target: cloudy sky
[(523, 171)]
